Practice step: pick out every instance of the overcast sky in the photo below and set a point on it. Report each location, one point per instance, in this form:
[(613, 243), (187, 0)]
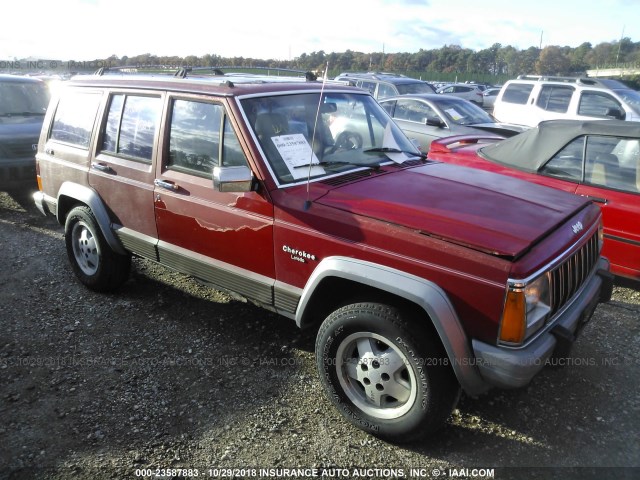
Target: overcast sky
[(284, 29)]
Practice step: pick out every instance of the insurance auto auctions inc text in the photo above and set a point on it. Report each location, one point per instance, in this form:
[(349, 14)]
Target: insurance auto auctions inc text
[(372, 472)]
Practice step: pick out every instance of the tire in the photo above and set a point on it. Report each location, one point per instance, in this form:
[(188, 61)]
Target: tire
[(384, 373), (95, 264)]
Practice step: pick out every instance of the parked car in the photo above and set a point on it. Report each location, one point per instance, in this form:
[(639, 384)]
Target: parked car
[(530, 99), (597, 159), (23, 102), (429, 116), (468, 91), (383, 85), (489, 98), (421, 278)]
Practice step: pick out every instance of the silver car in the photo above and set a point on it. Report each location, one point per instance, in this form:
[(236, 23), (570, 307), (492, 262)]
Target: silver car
[(426, 117), (468, 91)]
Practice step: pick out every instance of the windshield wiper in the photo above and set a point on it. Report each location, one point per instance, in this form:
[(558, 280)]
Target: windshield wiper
[(422, 156)]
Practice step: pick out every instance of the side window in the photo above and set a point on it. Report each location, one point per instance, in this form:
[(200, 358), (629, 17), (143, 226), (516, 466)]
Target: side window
[(567, 163), (517, 93), (194, 138), (385, 91), (74, 118), (131, 126), (603, 166), (596, 104), (554, 98), (371, 86), (413, 111)]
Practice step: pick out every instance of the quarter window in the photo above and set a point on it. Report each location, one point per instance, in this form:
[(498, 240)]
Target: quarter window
[(74, 118), (517, 93), (131, 126)]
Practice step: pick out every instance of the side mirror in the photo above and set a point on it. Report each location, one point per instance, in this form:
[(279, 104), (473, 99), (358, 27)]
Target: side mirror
[(615, 113), (435, 122), (233, 179)]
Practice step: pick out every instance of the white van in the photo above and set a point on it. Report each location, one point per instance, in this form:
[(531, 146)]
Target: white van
[(532, 99)]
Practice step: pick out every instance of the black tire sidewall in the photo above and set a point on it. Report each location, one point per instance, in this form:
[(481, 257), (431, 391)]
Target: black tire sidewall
[(112, 270), (426, 414)]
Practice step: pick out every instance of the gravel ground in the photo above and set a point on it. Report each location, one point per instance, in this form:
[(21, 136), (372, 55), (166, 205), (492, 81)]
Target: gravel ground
[(169, 379)]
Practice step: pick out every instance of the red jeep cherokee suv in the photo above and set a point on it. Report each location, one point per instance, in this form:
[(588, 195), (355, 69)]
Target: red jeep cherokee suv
[(305, 198)]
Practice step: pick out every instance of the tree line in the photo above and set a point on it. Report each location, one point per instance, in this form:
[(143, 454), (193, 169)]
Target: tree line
[(497, 62)]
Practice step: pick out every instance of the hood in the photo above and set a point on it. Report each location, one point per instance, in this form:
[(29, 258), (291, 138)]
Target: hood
[(492, 213)]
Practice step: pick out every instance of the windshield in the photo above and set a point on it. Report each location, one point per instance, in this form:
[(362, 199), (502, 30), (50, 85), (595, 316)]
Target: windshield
[(23, 98), (632, 99), (352, 131), (463, 112)]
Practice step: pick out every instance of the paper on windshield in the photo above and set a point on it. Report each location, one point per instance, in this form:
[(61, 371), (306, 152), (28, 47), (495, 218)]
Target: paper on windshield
[(295, 151)]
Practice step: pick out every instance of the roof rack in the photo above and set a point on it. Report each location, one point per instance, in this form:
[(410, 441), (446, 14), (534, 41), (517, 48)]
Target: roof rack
[(374, 75), (579, 80), (187, 71)]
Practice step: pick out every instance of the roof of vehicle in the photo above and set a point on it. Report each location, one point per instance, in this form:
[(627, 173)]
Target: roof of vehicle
[(387, 77), (225, 84), (434, 97), (529, 150), (584, 81)]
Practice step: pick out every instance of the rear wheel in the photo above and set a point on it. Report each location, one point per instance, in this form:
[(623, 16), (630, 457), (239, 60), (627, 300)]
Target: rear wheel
[(385, 373), (93, 261)]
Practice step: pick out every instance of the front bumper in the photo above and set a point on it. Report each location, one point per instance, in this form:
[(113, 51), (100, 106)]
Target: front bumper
[(515, 367)]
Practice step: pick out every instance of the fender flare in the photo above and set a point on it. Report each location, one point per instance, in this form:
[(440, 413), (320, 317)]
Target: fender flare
[(89, 197), (424, 293)]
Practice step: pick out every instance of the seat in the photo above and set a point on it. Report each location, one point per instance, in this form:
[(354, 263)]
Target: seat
[(271, 125), (605, 170)]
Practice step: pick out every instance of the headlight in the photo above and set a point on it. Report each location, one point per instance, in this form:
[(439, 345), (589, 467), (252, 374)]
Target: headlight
[(526, 308), (600, 236)]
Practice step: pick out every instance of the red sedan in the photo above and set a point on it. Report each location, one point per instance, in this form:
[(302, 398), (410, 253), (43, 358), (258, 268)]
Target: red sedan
[(598, 159)]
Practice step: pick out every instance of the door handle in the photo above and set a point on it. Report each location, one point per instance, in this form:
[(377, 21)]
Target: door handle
[(165, 184), (102, 167)]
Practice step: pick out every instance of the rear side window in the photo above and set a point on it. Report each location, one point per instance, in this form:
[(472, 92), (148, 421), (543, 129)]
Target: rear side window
[(131, 126), (554, 98), (517, 93), (74, 118)]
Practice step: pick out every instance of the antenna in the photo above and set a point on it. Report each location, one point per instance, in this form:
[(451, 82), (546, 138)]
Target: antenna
[(307, 203)]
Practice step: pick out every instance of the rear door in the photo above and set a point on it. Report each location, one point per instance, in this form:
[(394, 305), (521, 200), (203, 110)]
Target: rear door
[(224, 238), (122, 169)]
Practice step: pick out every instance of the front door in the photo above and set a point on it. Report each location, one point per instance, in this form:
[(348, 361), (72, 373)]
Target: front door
[(223, 238)]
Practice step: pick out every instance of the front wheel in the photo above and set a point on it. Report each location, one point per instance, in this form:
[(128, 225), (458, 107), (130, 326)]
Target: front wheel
[(93, 261), (385, 373)]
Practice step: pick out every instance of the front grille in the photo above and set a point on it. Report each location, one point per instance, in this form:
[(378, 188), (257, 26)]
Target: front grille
[(568, 277), (20, 149)]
